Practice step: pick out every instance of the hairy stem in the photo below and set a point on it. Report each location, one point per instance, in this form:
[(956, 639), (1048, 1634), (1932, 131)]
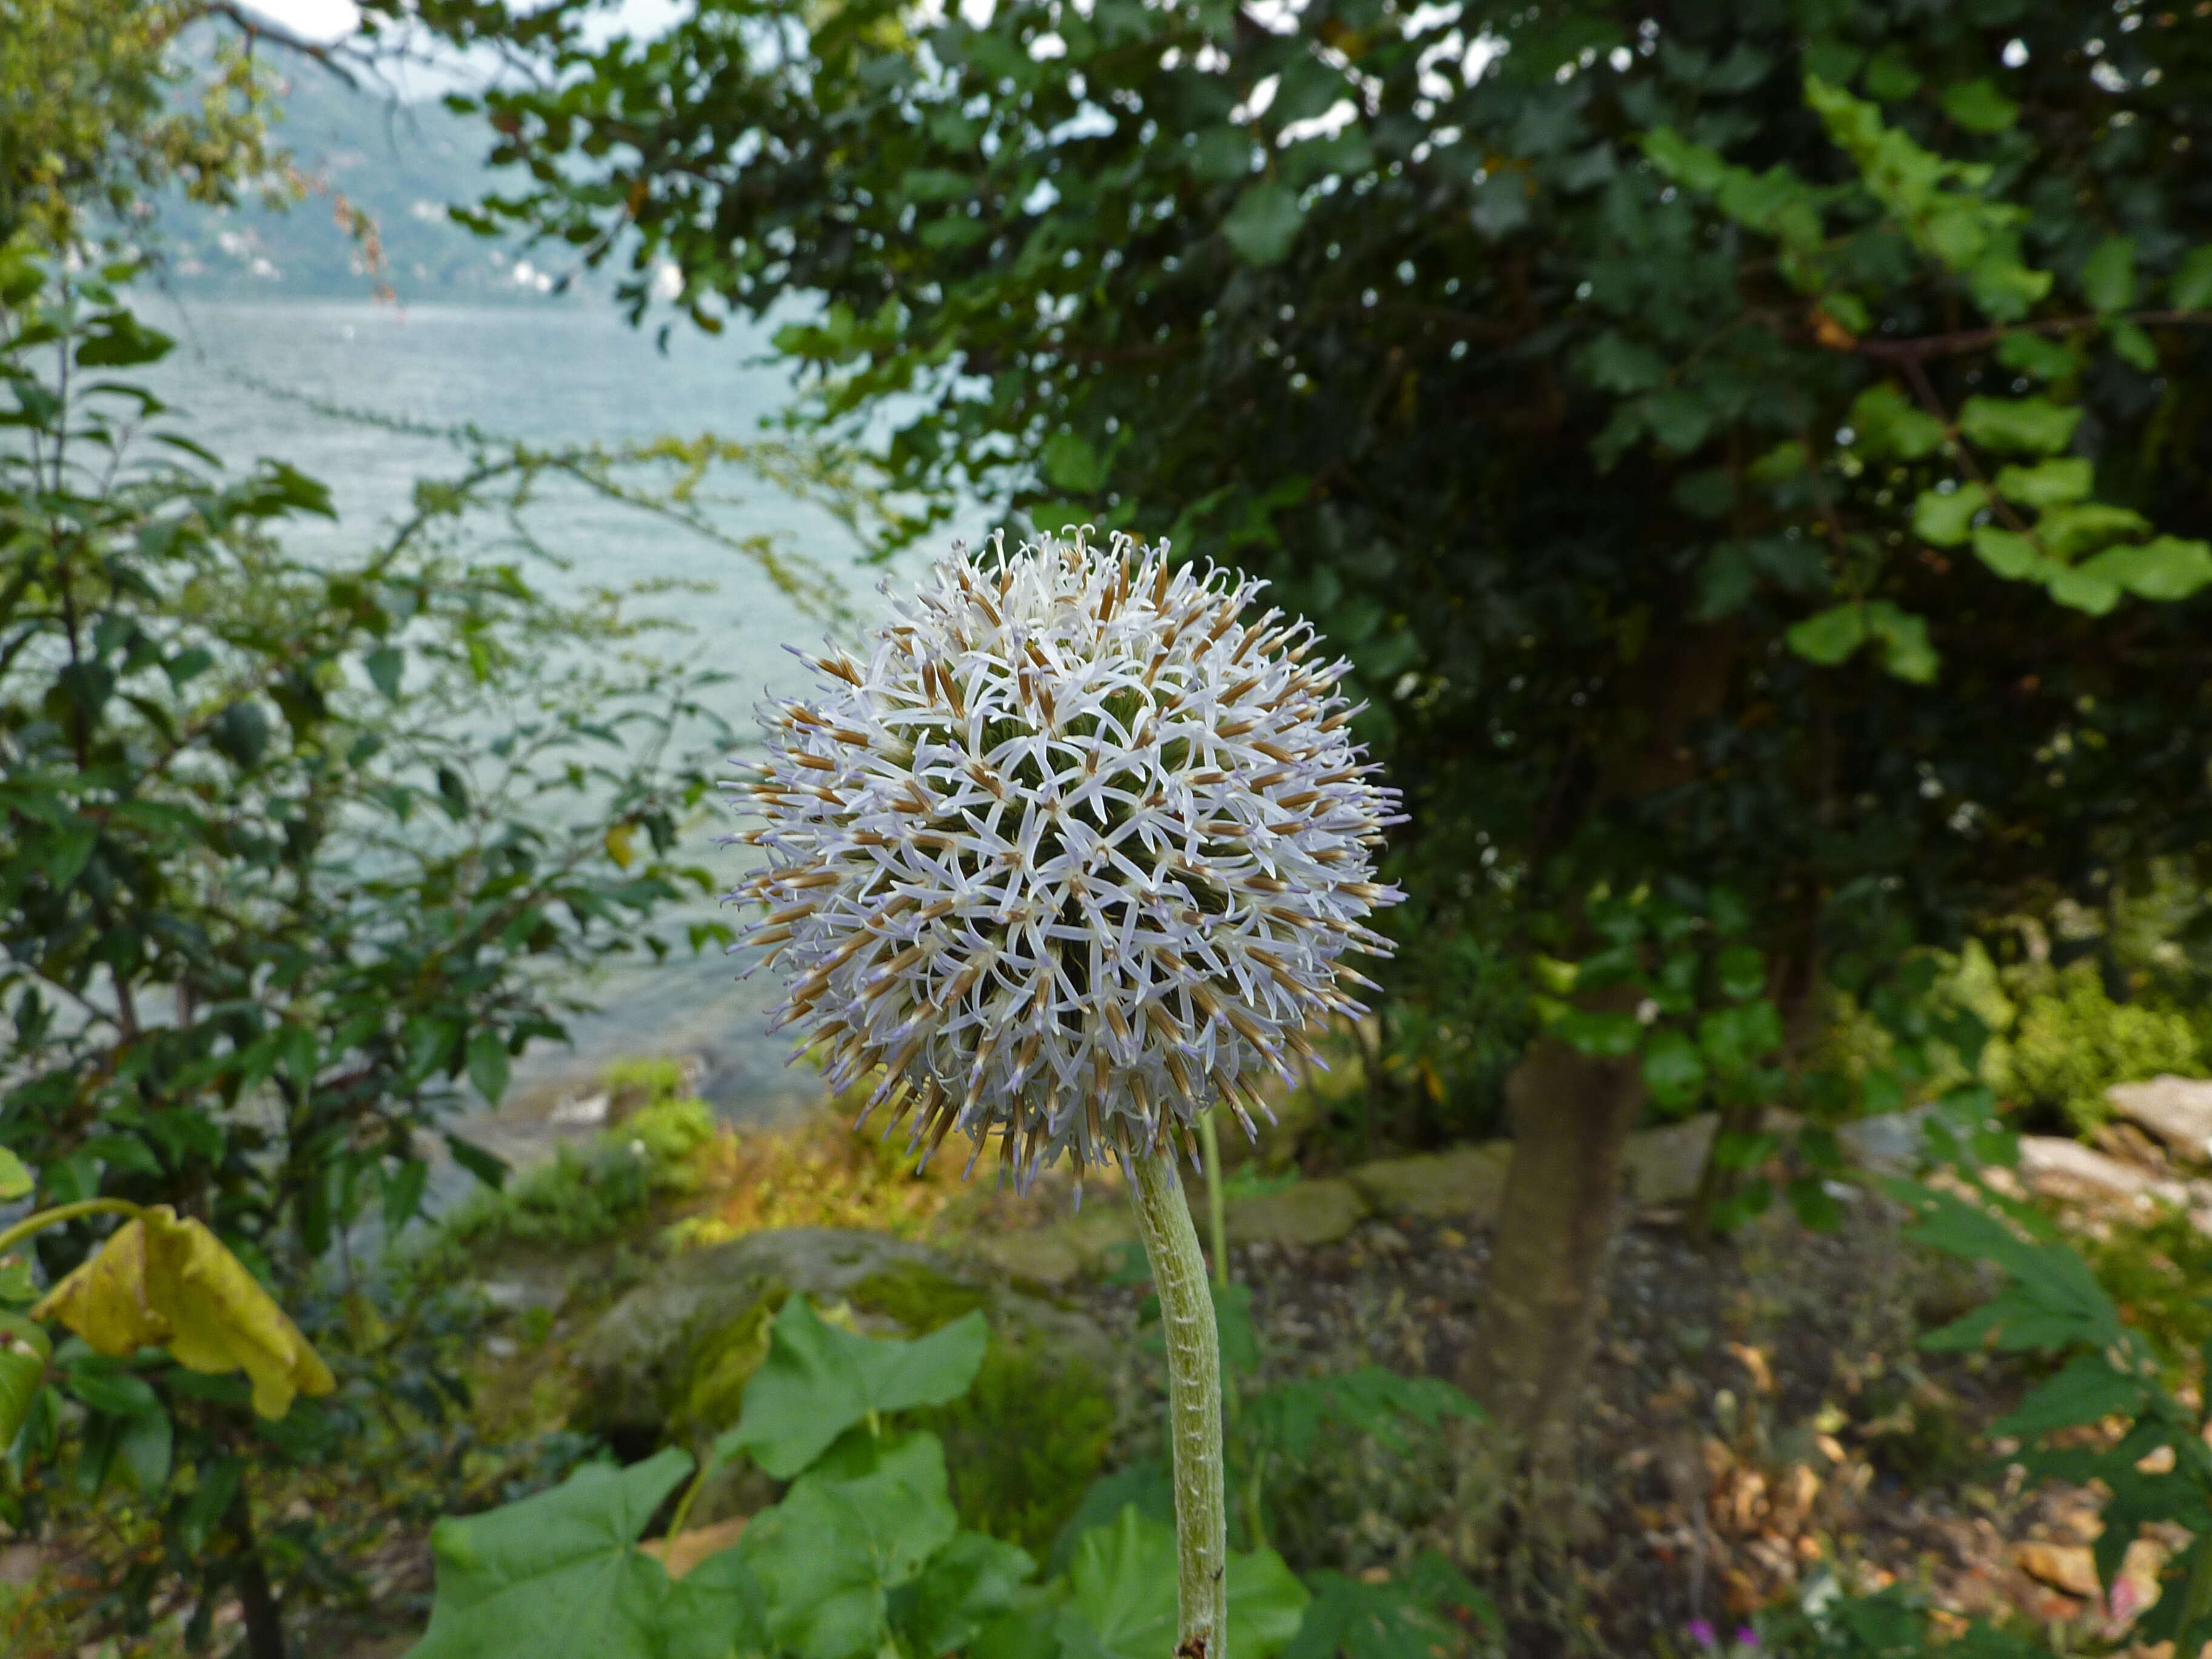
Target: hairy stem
[(1193, 1406), (1217, 1222)]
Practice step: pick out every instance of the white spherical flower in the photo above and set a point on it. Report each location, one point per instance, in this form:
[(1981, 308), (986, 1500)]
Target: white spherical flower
[(1071, 852)]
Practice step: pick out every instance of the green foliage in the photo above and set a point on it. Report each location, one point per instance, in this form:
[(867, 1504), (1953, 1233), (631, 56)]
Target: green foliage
[(1024, 1443), (559, 1573), (1835, 452), (2157, 1466), (817, 1382), (2158, 1273), (2070, 1042), (864, 1555), (1409, 1615)]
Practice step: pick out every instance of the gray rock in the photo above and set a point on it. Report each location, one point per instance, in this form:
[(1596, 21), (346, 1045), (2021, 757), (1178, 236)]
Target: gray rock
[(1460, 1185), (1888, 1143), (2177, 1111), (673, 1355), (1305, 1212), (2059, 1167), (1665, 1166)]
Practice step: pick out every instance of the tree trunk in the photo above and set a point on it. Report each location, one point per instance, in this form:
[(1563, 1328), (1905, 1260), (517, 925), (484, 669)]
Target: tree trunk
[(1571, 1116), (265, 1619)]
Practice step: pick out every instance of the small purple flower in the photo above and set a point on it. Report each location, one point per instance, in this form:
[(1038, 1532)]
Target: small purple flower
[(1702, 1633), (1746, 1636)]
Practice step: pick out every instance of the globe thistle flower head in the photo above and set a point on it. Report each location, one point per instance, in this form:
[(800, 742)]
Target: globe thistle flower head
[(1070, 851)]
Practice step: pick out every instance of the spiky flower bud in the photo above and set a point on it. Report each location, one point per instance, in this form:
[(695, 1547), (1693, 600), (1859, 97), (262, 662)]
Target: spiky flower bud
[(1071, 853)]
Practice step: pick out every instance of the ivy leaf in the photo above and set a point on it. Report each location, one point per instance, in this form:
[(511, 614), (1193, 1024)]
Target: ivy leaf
[(1264, 223), (161, 1282), (1831, 636), (2034, 424), (1122, 1595), (817, 1382), (2108, 279), (2132, 346), (1943, 518)]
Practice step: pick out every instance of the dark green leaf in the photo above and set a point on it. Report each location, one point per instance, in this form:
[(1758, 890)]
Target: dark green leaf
[(817, 1382), (1264, 223)]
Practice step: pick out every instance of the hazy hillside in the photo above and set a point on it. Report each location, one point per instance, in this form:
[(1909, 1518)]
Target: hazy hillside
[(402, 162)]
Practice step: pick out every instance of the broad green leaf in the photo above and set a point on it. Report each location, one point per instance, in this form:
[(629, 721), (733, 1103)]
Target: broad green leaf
[(2046, 483), (1978, 106), (1122, 1594), (1887, 425), (2008, 552), (2132, 345), (2108, 279), (2191, 289), (15, 1179), (385, 666), (1906, 650), (559, 1576), (817, 1382), (23, 1353), (2034, 354), (2035, 425), (1741, 972), (2070, 532), (962, 1588), (1944, 517), (1264, 223), (832, 1552), (161, 1282), (1221, 154), (1071, 463), (2081, 590), (2165, 569), (488, 1065), (1831, 636), (1673, 1070), (1606, 1035)]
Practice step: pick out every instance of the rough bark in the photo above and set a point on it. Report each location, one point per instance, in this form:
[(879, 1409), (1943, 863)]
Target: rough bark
[(1571, 1117)]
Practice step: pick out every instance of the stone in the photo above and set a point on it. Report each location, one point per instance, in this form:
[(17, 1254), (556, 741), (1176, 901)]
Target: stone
[(673, 1355), (2176, 1110), (1888, 1143), (1462, 1185), (1304, 1212), (1665, 1164), (2059, 1167), (2068, 1568)]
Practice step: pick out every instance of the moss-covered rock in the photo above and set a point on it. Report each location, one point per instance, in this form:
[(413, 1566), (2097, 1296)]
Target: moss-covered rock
[(672, 1358)]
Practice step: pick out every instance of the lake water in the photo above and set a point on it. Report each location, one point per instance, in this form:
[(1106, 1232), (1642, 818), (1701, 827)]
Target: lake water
[(555, 375)]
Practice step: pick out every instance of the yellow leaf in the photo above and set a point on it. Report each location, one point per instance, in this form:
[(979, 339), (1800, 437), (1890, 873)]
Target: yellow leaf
[(162, 1282), (618, 845)]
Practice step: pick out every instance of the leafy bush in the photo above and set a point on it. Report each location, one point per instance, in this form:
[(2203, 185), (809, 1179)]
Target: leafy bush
[(863, 1555), (2070, 1041)]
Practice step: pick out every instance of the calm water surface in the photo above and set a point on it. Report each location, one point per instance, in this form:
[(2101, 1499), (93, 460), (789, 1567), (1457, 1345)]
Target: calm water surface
[(565, 374)]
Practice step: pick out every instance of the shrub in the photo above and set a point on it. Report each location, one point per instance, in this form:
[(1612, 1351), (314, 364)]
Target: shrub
[(2070, 1041)]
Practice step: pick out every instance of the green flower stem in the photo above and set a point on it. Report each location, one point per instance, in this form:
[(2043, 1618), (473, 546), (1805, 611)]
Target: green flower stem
[(1193, 1406), (41, 1220), (1217, 1215)]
